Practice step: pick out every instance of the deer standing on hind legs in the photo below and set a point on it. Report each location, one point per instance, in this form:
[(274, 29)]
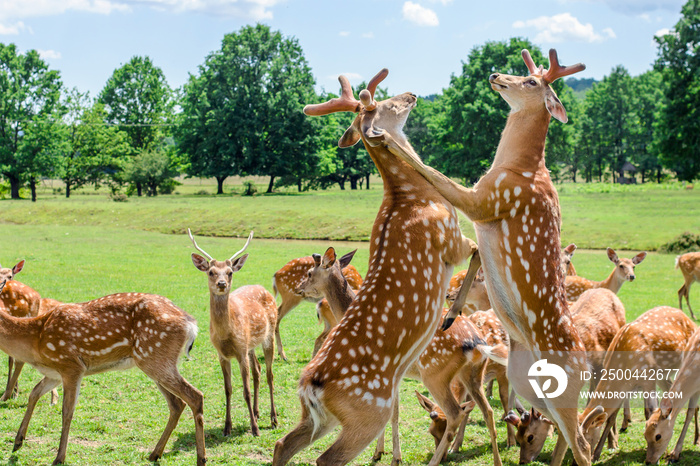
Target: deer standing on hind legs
[(114, 332), (415, 243), (689, 264), (515, 210), (240, 321)]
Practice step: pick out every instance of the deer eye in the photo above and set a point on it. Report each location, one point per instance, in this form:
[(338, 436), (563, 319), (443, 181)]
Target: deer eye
[(229, 273), (530, 438), (658, 437), (211, 273), (532, 83)]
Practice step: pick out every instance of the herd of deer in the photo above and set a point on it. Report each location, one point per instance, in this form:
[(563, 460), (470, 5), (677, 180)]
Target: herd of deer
[(519, 305)]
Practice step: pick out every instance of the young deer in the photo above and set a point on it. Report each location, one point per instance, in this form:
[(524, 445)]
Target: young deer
[(567, 266), (288, 278), (516, 215), (327, 282), (18, 300), (623, 272), (239, 321), (110, 333), (659, 427), (689, 264), (415, 243)]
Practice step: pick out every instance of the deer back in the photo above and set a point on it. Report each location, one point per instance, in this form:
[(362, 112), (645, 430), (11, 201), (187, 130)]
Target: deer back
[(19, 299)]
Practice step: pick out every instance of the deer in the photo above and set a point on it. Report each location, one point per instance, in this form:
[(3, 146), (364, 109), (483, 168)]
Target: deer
[(515, 211), (328, 283), (115, 332), (659, 427), (287, 279), (458, 353), (598, 316), (239, 321), (566, 254), (689, 264), (415, 244), (623, 272), (18, 300)]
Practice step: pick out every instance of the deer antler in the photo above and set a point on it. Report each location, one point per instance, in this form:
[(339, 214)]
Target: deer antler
[(555, 70), (197, 247), (367, 95), (345, 103), (250, 236)]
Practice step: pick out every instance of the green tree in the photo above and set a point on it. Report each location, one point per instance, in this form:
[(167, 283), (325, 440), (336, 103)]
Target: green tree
[(95, 151), (648, 101), (243, 114), (29, 93), (679, 61), (138, 99), (39, 150), (151, 169)]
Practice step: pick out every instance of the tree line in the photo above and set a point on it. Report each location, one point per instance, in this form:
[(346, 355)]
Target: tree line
[(241, 115)]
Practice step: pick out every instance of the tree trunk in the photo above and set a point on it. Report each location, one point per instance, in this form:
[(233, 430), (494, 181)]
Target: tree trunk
[(220, 184), (341, 183), (14, 187), (139, 189), (299, 184), (367, 181), (271, 185), (67, 181), (353, 183), (32, 186)]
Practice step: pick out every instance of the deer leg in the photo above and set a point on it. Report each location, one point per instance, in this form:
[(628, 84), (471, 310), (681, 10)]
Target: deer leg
[(475, 386), (288, 303), (226, 369), (687, 300), (458, 304), (12, 376), (606, 431), (269, 351), (692, 404), (71, 390), (626, 416), (176, 406), (355, 436), (395, 439), (503, 394), (489, 389), (255, 367), (570, 434), (245, 377), (44, 386), (301, 436), (379, 449), (453, 412)]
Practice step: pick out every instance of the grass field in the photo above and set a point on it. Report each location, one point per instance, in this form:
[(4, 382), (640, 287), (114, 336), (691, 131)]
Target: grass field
[(88, 247)]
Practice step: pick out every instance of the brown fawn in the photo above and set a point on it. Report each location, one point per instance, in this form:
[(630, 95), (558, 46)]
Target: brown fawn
[(689, 264), (110, 333), (288, 278), (623, 272), (516, 215), (415, 243), (240, 321)]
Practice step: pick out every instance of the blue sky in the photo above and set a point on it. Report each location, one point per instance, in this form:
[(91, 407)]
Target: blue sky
[(422, 42)]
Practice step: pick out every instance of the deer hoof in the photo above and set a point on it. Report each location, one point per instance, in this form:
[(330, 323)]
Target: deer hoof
[(153, 457)]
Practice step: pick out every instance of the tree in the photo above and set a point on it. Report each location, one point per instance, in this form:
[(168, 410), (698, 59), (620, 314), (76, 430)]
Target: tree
[(138, 99), (648, 101), (679, 61), (152, 169), (29, 93), (243, 114), (38, 153)]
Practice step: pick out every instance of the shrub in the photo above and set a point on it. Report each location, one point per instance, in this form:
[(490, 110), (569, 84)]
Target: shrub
[(687, 242), (249, 188), (119, 197), (201, 192)]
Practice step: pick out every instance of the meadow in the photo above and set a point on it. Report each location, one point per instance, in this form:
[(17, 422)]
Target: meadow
[(88, 246)]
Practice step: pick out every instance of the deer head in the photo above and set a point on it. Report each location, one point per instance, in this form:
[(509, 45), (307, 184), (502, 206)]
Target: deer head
[(9, 274), (530, 92), (625, 267), (326, 269), (220, 273), (659, 430), (438, 420), (566, 254)]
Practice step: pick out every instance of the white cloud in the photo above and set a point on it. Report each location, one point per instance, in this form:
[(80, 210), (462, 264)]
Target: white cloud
[(12, 29), (368, 35), (564, 28), (344, 33), (444, 2), (636, 7), (662, 32), (49, 54), (419, 15)]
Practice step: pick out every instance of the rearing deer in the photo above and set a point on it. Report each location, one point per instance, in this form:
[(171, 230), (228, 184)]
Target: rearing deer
[(515, 210), (415, 243)]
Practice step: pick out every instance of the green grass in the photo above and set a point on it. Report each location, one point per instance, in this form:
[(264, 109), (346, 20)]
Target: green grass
[(120, 415)]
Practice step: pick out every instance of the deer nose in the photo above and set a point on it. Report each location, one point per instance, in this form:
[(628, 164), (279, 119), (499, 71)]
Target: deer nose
[(493, 77), (632, 277), (221, 284)]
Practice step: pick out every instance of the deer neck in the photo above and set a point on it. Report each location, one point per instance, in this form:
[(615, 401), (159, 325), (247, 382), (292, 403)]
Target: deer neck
[(521, 148), (339, 294), (19, 336), (219, 313), (613, 282)]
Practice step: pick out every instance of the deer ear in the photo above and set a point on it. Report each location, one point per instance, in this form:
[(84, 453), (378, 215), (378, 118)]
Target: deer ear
[(612, 255), (425, 402), (665, 409), (570, 249), (639, 258), (345, 260), (237, 264), (468, 406), (317, 259), (200, 262), (350, 137), (512, 418), (328, 258), (18, 268), (554, 106)]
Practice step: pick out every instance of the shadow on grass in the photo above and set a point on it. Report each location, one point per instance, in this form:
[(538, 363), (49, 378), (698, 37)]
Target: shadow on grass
[(214, 436)]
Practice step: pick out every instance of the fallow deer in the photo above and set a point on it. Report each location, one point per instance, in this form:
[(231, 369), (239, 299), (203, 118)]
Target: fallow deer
[(516, 215), (414, 245), (566, 254), (239, 321), (623, 272), (659, 427), (288, 278), (689, 264), (110, 333)]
